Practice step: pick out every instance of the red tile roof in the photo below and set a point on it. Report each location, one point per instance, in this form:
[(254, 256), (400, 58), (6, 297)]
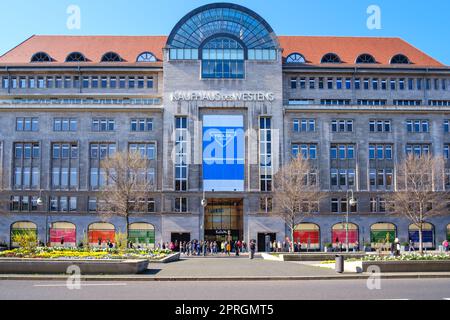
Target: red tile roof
[(349, 48), (129, 47), (92, 47)]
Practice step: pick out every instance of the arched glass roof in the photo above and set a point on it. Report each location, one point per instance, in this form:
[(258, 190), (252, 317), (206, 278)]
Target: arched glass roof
[(222, 19)]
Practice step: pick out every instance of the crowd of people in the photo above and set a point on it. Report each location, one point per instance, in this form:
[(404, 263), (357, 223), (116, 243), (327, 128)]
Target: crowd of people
[(203, 248)]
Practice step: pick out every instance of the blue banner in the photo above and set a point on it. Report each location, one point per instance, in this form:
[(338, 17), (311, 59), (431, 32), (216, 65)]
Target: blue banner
[(223, 153)]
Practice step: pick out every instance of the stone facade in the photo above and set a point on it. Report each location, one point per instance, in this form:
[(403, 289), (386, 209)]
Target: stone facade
[(273, 76)]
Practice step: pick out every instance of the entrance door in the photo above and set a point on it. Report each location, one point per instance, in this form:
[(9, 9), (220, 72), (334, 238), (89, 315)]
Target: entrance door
[(179, 237), (262, 240), (223, 220)]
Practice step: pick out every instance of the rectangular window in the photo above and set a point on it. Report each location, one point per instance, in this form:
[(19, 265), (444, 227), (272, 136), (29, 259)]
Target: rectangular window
[(143, 124), (342, 125), (27, 124), (149, 82), (181, 167), (113, 82), (293, 83), (94, 82), (417, 126), (85, 82), (265, 153), (181, 205), (102, 125)]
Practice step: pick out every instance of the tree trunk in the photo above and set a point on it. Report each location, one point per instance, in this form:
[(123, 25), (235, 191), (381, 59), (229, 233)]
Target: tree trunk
[(292, 238), (126, 227), (420, 239)]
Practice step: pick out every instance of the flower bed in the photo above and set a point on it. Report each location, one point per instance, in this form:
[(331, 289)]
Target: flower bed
[(75, 253), (408, 257)]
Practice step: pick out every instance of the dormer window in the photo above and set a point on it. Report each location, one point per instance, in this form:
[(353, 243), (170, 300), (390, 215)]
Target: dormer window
[(146, 57), (111, 57), (365, 58), (41, 57), (295, 58), (330, 58), (400, 59), (75, 57)]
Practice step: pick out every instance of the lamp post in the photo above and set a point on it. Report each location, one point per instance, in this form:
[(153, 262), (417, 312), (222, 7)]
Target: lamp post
[(350, 202), (40, 202), (203, 203)]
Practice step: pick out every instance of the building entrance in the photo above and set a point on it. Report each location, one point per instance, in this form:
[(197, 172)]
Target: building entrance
[(224, 220), (180, 237)]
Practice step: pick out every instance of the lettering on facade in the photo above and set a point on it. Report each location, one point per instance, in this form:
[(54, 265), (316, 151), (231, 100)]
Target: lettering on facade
[(222, 96)]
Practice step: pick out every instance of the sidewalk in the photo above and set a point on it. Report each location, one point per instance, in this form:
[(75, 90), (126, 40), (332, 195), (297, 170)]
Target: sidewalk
[(231, 269)]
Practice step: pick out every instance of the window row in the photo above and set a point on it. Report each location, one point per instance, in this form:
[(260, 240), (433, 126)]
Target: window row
[(78, 82), (347, 83), (71, 124), (346, 125)]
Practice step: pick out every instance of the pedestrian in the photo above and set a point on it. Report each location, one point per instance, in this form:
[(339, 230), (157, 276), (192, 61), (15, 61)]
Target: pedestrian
[(228, 248), (236, 248), (99, 242), (274, 247), (279, 246), (411, 246), (205, 248), (252, 249), (397, 247), (445, 245), (222, 247), (62, 241)]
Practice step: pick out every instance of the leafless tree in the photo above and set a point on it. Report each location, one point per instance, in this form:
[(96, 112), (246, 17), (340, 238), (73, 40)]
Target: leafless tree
[(4, 201), (127, 185), (420, 190), (296, 192)]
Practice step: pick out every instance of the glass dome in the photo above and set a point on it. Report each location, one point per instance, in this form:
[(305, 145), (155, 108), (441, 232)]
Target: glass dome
[(226, 19)]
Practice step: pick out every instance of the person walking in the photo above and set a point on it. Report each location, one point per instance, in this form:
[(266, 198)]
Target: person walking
[(252, 249), (397, 247), (236, 248), (228, 248), (411, 246), (222, 247), (445, 245)]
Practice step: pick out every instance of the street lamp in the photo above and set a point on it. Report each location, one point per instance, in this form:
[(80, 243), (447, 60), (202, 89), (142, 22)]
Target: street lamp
[(204, 204), (350, 202)]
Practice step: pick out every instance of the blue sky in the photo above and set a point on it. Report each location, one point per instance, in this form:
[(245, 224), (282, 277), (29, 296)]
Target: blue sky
[(422, 23)]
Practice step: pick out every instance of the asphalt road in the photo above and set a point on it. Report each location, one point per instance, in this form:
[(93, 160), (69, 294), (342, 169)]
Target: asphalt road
[(417, 289)]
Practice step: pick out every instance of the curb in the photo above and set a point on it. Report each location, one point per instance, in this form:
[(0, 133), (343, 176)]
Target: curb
[(256, 278)]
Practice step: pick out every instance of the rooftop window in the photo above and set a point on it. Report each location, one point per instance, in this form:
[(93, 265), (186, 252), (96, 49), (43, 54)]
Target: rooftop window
[(295, 58), (146, 57), (365, 58), (400, 59), (41, 57), (330, 58), (75, 57), (111, 57)]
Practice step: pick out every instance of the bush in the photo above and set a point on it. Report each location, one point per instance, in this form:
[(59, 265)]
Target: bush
[(121, 240), (26, 240)]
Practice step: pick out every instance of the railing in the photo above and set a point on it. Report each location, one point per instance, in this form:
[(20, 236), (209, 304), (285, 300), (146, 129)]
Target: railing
[(152, 101)]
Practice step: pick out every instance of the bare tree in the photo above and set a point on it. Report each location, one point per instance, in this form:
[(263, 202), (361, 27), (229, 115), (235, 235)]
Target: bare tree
[(296, 192), (420, 190), (4, 201), (127, 185)]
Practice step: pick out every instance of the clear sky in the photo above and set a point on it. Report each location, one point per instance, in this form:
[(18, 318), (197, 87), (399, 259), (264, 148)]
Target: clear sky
[(425, 24)]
